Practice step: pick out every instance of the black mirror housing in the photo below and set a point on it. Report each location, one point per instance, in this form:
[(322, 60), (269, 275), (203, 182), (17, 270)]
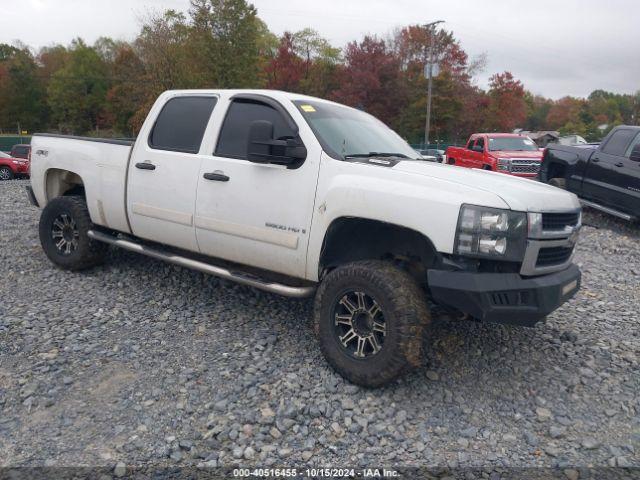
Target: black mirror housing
[(263, 148), (260, 132)]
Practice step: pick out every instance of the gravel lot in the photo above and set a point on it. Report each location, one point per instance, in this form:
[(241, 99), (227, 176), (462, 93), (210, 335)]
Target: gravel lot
[(149, 364)]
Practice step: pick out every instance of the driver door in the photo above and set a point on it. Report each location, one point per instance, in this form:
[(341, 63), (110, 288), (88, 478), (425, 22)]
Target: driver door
[(478, 158), (255, 213)]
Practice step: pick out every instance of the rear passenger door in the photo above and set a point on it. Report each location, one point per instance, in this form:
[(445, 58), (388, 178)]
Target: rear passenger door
[(604, 179), (163, 171)]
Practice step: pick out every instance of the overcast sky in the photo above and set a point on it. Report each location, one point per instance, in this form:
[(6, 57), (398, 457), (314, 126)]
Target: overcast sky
[(556, 47)]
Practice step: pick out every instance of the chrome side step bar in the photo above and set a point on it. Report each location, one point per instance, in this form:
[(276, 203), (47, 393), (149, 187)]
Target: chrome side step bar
[(608, 210), (238, 277)]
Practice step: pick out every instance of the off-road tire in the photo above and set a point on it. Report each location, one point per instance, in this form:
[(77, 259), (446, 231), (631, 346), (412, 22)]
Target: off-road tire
[(7, 174), (559, 182), (405, 312), (88, 253)]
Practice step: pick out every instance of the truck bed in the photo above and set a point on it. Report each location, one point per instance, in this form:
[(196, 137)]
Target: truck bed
[(101, 163)]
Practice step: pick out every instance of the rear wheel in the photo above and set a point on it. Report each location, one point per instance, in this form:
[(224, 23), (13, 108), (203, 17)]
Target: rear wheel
[(64, 224), (5, 173), (558, 182), (369, 320), (451, 161)]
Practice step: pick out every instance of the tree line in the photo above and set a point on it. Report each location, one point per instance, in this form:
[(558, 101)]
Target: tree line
[(107, 88)]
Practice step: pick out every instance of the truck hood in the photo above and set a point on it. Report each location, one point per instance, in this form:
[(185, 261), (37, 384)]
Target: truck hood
[(520, 194)]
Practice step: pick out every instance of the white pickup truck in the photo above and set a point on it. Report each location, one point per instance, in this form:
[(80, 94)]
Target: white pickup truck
[(301, 196)]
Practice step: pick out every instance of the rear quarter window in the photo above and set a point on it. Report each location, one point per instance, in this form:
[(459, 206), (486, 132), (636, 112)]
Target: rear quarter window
[(181, 124)]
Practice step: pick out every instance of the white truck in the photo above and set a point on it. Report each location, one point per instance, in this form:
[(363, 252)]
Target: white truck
[(300, 196)]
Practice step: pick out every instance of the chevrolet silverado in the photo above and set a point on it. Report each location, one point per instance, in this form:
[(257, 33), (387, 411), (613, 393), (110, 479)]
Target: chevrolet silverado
[(300, 196)]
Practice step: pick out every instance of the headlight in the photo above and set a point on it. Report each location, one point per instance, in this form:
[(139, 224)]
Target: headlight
[(486, 232), (16, 162), (504, 164)]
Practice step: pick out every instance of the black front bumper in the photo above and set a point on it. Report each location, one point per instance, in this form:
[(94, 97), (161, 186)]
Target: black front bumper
[(504, 297)]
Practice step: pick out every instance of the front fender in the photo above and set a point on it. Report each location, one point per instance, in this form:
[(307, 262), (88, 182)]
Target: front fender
[(427, 205)]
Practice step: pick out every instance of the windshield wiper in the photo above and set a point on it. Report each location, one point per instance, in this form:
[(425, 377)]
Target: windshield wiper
[(375, 154)]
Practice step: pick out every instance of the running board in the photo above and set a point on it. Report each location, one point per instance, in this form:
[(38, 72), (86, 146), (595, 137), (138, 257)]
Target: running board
[(238, 277), (608, 210)]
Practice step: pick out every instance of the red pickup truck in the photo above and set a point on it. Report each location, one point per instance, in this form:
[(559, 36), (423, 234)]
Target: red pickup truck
[(508, 153)]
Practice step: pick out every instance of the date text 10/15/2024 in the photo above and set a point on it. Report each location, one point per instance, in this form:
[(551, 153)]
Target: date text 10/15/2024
[(315, 472)]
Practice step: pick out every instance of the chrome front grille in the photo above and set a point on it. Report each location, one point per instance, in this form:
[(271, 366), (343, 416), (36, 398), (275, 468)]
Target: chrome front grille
[(551, 242), (525, 165)]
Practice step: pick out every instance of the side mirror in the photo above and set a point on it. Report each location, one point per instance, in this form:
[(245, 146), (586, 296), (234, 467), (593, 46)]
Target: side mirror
[(635, 153), (263, 148)]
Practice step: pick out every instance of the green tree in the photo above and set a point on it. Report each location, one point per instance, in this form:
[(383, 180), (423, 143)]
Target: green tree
[(128, 92), (226, 43), (22, 95), (77, 91), (161, 46)]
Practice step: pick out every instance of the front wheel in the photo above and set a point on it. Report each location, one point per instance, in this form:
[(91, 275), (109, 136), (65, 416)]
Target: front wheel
[(369, 318), (64, 224), (5, 173)]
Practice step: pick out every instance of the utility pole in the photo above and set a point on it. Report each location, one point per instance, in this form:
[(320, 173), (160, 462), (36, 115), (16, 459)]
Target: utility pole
[(430, 28)]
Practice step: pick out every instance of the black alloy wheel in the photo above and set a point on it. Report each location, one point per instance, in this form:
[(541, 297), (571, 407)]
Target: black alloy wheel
[(359, 324)]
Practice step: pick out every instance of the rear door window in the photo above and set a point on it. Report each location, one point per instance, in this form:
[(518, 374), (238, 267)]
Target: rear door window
[(619, 142), (181, 124), (480, 143), (470, 144)]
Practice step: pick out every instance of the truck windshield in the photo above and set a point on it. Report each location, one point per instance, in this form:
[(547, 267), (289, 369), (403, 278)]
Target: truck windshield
[(519, 144), (346, 132)]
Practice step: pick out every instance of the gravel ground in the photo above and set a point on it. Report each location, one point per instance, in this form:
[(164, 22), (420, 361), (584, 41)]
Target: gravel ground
[(148, 364)]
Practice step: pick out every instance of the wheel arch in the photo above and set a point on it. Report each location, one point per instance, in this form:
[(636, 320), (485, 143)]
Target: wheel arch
[(350, 239), (60, 182)]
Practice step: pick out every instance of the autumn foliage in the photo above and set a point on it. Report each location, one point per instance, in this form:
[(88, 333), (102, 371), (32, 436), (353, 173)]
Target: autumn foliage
[(107, 88)]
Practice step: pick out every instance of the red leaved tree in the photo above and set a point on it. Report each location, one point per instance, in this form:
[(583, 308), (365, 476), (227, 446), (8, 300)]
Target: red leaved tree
[(370, 79), (507, 107), (285, 71)]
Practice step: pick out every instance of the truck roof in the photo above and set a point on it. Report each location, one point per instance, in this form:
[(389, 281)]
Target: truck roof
[(513, 135), (282, 95)]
